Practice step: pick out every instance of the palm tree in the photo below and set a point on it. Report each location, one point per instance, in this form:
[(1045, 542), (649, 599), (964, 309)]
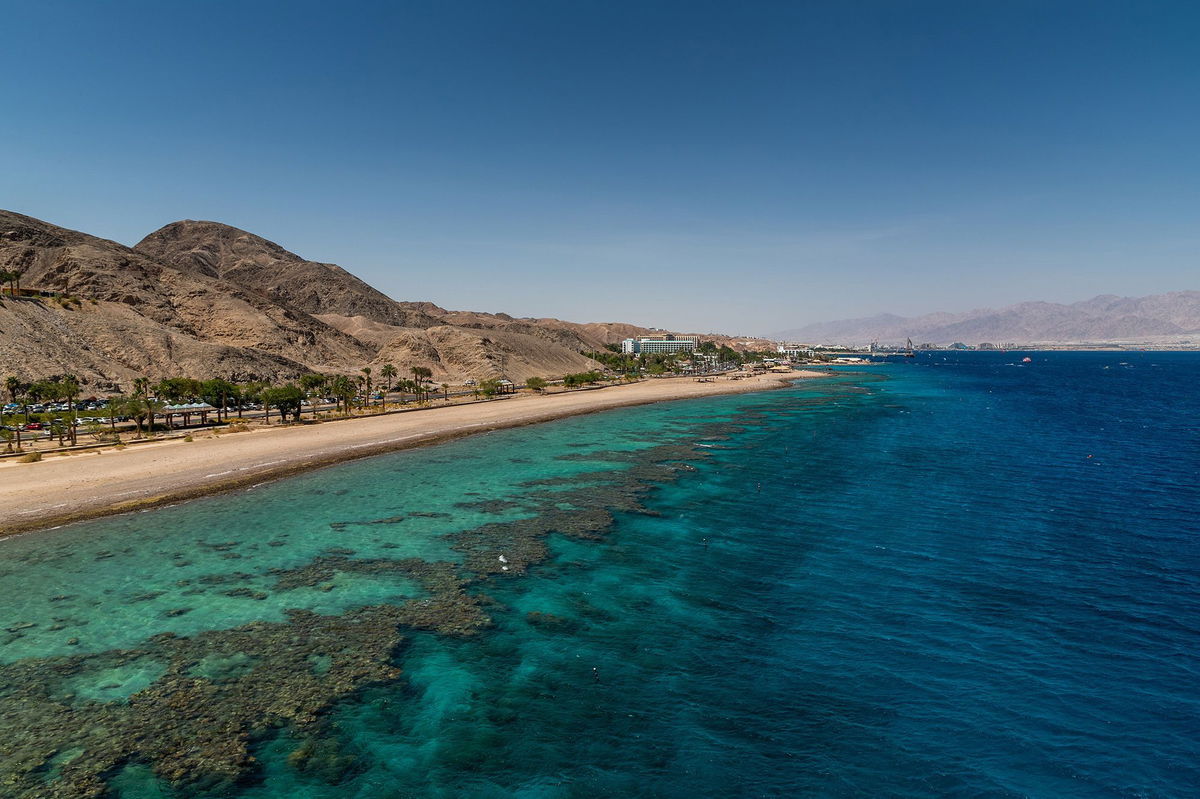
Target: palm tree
[(16, 388), (343, 389), (153, 405), (58, 428), (35, 392), (13, 279), (126, 405), (69, 390), (366, 370), (416, 373), (421, 373), (147, 404), (117, 406), (312, 383), (388, 373)]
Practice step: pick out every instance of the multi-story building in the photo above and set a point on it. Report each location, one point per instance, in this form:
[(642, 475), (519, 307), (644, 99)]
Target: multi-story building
[(795, 350), (667, 343)]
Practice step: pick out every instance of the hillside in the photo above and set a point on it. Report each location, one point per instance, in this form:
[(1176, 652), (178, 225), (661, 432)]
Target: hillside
[(255, 264), (1159, 319), (203, 299), (454, 344), (138, 315)]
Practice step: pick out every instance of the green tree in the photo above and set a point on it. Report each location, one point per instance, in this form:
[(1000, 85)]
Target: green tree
[(128, 406), (420, 375), (14, 387), (179, 389), (152, 406), (288, 398), (388, 373), (366, 370), (69, 390), (146, 405), (490, 387), (252, 391), (117, 406), (342, 387), (58, 427), (537, 384), (13, 279), (312, 384), (217, 393)]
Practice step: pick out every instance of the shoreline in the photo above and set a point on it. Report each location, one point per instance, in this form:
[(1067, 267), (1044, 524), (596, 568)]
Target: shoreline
[(74, 488)]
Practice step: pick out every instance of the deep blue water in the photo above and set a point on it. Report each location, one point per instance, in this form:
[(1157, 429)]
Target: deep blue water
[(956, 575)]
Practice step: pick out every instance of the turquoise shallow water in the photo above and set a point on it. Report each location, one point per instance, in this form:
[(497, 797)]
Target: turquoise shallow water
[(948, 577)]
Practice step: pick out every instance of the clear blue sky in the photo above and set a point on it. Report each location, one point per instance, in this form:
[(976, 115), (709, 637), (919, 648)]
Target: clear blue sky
[(737, 166)]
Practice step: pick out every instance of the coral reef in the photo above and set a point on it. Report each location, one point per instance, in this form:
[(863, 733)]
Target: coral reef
[(193, 708)]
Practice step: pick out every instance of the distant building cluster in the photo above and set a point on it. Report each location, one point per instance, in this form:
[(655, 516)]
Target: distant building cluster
[(653, 344)]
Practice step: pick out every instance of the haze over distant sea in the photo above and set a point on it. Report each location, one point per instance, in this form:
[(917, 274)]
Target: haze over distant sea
[(952, 575)]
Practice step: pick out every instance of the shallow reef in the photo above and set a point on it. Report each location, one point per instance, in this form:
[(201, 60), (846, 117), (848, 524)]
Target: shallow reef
[(193, 709)]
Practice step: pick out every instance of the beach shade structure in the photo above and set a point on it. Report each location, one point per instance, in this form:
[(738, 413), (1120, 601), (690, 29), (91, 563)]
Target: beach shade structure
[(202, 409)]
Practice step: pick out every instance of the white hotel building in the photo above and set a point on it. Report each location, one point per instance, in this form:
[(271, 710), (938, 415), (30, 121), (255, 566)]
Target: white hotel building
[(795, 350), (634, 346)]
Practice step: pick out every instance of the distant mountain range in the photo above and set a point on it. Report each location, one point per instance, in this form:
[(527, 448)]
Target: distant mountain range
[(1157, 319)]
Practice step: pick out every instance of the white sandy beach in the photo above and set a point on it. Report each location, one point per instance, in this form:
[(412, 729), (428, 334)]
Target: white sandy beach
[(68, 488)]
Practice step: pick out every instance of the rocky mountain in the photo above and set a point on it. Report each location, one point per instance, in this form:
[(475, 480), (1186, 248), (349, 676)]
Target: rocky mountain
[(205, 299), (454, 344), (134, 315), (1158, 319), (255, 264)]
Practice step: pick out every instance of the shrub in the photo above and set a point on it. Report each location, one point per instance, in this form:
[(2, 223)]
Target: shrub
[(32, 457)]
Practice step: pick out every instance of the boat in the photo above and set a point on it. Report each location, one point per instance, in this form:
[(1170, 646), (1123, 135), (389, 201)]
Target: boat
[(908, 353), (1027, 359)]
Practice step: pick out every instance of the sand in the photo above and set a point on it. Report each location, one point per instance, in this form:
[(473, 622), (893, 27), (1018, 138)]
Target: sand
[(62, 489)]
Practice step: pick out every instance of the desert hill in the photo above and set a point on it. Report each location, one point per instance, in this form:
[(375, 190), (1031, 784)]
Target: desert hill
[(206, 299), (255, 264), (1157, 319), (137, 315), (454, 344)]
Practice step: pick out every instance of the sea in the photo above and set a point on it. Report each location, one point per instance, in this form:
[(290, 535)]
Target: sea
[(959, 574)]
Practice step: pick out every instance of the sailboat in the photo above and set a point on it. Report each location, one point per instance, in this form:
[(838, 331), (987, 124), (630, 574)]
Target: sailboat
[(908, 353)]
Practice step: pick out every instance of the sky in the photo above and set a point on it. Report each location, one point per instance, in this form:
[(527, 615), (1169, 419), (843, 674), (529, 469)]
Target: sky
[(742, 167)]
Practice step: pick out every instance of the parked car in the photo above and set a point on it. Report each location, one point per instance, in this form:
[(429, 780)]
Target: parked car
[(34, 426)]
